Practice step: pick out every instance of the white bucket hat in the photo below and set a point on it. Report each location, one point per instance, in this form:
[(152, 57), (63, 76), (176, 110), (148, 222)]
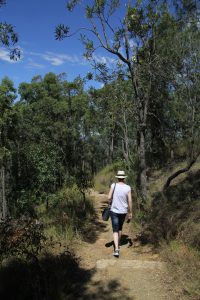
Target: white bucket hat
[(121, 174)]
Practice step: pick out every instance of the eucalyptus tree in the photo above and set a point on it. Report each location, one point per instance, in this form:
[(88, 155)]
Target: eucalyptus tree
[(7, 96), (133, 41), (114, 120), (53, 134), (8, 37), (186, 88)]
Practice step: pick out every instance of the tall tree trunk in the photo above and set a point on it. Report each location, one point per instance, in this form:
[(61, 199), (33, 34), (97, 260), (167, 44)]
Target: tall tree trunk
[(4, 208), (111, 148), (142, 163)]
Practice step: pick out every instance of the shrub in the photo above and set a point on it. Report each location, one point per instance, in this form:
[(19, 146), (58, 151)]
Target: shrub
[(22, 238), (69, 211), (189, 230)]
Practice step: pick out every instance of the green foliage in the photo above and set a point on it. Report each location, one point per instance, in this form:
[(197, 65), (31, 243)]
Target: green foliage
[(26, 203), (157, 48), (68, 211), (44, 161), (57, 136)]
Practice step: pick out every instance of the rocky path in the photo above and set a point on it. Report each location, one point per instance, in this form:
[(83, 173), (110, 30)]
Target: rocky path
[(137, 274)]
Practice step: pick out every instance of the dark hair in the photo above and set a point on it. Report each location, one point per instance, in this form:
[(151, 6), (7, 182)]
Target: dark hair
[(120, 179)]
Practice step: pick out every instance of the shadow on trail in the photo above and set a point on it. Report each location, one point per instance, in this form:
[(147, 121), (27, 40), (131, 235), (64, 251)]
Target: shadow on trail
[(53, 278), (95, 227), (124, 241), (111, 290), (91, 232)]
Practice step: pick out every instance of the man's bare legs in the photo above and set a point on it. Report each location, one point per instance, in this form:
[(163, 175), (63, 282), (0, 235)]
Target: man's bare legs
[(117, 238), (120, 235)]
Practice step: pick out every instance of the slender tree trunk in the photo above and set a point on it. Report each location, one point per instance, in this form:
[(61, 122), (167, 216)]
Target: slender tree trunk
[(4, 208), (142, 111), (1, 198), (142, 163), (111, 148)]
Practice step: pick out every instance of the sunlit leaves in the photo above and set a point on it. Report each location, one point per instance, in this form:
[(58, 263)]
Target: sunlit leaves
[(99, 6), (89, 46), (89, 12)]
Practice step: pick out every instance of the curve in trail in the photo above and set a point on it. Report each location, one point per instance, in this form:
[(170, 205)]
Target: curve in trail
[(137, 274)]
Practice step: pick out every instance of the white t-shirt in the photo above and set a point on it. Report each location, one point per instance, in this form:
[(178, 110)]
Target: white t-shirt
[(120, 198)]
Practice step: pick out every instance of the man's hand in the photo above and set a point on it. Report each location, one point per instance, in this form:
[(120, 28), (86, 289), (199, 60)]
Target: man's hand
[(130, 215)]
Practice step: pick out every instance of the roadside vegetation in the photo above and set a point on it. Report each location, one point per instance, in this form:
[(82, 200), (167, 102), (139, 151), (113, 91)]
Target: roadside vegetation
[(59, 140), (171, 224)]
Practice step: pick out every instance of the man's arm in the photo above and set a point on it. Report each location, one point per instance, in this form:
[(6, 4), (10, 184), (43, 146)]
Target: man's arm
[(129, 205), (110, 195)]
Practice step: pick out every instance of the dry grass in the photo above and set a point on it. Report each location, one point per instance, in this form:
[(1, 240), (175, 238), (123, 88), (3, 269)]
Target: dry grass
[(174, 217), (159, 177), (106, 176), (184, 265)]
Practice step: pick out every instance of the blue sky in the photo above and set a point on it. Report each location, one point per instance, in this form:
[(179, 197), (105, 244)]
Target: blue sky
[(35, 23)]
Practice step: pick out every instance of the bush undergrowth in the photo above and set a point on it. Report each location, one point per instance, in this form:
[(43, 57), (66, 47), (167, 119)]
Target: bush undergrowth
[(184, 264), (67, 215), (173, 222)]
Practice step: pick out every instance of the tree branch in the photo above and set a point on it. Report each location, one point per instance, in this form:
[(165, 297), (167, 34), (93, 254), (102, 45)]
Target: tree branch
[(177, 173)]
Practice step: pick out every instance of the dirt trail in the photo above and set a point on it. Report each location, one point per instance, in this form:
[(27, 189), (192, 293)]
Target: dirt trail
[(137, 274)]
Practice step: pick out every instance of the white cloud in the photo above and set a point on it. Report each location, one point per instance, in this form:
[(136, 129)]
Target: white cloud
[(57, 59), (132, 43), (105, 60), (53, 59), (5, 56), (34, 65)]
